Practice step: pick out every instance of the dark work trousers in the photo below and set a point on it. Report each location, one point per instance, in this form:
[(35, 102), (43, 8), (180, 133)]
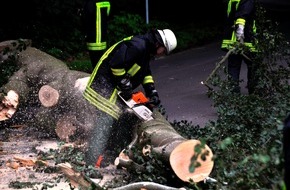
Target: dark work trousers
[(286, 149), (99, 137), (95, 56), (234, 68), (109, 137), (95, 29)]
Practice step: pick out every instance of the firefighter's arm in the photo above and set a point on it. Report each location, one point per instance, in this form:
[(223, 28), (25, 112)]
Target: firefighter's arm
[(118, 64), (244, 11), (150, 91), (240, 25), (123, 83)]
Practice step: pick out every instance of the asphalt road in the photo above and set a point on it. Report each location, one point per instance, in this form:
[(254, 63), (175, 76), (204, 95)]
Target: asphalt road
[(178, 80)]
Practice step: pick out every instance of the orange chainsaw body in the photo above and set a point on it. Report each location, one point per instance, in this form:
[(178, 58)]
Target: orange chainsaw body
[(136, 104)]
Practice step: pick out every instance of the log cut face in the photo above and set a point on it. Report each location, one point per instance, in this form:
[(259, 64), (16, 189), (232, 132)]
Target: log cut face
[(181, 157)]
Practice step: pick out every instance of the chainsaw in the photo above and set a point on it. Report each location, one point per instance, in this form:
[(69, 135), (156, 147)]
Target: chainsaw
[(137, 104)]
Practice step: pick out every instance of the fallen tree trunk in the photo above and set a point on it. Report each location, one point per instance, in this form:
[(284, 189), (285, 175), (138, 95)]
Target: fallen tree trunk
[(159, 137), (48, 91)]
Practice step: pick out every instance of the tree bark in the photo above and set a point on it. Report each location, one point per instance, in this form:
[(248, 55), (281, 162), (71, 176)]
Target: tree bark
[(48, 91), (177, 151)]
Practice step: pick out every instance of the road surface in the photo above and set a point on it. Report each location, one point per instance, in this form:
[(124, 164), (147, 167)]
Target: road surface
[(178, 80)]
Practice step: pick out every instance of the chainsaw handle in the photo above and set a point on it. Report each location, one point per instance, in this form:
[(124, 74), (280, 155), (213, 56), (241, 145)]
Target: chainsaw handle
[(150, 104), (145, 103)]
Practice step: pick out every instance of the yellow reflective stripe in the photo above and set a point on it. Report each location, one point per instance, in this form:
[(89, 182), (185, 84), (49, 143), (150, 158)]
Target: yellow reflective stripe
[(254, 27), (228, 44), (98, 106), (128, 38), (134, 69), (118, 72), (234, 37), (104, 4), (241, 21), (107, 106), (251, 47), (97, 46), (110, 112), (114, 96), (104, 56), (98, 24), (230, 6), (102, 100), (237, 5), (148, 79), (102, 103)]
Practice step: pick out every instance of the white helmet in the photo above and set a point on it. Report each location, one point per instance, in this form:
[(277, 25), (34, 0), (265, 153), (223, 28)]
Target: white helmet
[(169, 39)]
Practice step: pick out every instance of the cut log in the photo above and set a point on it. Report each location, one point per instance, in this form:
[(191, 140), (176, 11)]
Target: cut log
[(66, 127), (8, 105), (48, 96), (174, 149), (181, 158), (11, 100)]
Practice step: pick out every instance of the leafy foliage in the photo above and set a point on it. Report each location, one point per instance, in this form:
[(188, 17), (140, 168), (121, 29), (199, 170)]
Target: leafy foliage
[(246, 139), (124, 25), (9, 66)]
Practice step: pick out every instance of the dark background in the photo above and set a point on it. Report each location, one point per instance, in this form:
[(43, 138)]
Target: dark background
[(30, 18), (183, 11)]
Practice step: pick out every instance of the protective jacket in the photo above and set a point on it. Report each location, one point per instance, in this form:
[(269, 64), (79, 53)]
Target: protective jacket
[(131, 56), (239, 12)]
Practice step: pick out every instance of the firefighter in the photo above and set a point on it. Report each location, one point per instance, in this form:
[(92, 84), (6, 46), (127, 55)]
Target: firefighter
[(123, 67), (95, 20), (240, 27)]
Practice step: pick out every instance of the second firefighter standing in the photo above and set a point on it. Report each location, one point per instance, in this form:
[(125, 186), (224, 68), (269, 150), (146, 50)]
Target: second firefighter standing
[(240, 27)]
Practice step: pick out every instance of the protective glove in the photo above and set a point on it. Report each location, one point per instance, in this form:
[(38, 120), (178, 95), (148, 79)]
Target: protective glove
[(152, 94), (155, 100), (240, 32), (125, 87)]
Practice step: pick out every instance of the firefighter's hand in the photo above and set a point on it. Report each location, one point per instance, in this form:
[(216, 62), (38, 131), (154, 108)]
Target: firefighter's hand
[(155, 101), (240, 32), (126, 88), (126, 95)]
